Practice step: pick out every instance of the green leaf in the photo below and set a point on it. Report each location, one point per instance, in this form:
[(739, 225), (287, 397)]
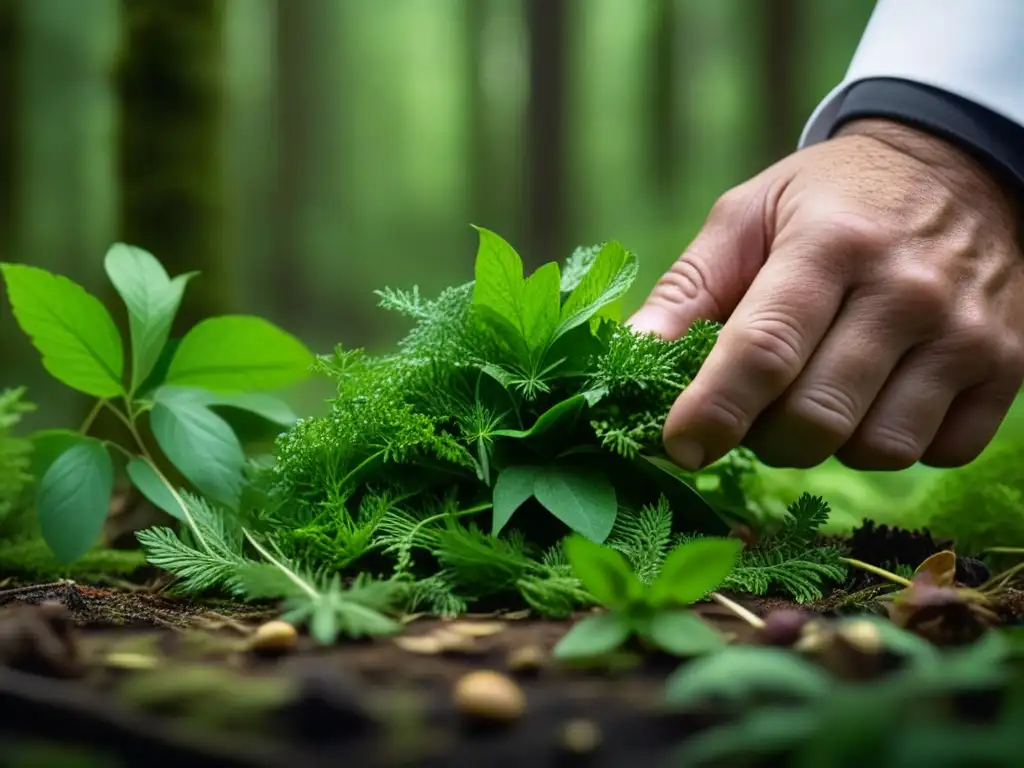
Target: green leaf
[(562, 416), (511, 490), (604, 572), (529, 308), (689, 507), (73, 499), (239, 353), (145, 477), (594, 636), (607, 280), (681, 633), (152, 299), (580, 496), (740, 672), (48, 444), (268, 407), (202, 446), (72, 330), (692, 570)]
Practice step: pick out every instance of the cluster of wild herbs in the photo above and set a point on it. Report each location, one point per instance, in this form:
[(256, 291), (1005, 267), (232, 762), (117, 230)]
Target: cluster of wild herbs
[(516, 412)]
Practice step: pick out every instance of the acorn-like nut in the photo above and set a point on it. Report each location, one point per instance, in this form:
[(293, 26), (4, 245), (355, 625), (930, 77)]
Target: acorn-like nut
[(784, 627), (490, 696), (274, 637), (862, 635), (526, 658)]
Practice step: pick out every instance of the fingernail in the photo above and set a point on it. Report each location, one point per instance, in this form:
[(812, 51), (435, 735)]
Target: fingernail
[(686, 453)]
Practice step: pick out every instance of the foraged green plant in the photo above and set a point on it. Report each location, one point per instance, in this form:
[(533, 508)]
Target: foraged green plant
[(15, 451), (223, 362), (654, 612)]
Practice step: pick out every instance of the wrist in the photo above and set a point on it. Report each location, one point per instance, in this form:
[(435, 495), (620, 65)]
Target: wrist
[(956, 168)]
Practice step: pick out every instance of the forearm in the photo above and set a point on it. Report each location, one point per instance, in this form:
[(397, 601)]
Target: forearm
[(951, 67)]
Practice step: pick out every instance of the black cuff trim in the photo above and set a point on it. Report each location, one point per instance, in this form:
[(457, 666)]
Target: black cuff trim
[(993, 139)]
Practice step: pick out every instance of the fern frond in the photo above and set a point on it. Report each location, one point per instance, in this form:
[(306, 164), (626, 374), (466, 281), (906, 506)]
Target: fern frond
[(644, 538)]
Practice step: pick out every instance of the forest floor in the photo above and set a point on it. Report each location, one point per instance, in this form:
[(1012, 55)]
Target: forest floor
[(132, 676)]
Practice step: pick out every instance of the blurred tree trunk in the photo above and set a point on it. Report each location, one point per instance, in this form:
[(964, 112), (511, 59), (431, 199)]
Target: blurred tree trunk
[(171, 153), (664, 140), (11, 51), (296, 115), (545, 238), (480, 184), (779, 73)]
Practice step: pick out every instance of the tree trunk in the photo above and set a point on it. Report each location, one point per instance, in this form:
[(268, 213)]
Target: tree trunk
[(664, 140), (781, 35), (171, 151), (545, 133), (11, 51), (296, 155)]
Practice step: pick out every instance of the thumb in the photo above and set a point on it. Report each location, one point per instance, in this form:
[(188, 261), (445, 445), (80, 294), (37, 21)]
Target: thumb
[(708, 280)]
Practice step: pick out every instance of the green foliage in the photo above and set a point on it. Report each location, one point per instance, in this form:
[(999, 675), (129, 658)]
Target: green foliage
[(28, 557), (15, 452), (791, 561), (223, 360), (651, 611)]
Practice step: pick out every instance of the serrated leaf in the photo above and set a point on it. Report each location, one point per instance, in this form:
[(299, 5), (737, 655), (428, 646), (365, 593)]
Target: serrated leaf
[(144, 477), (693, 569), (581, 497), (605, 573), (73, 499), (562, 416), (594, 636), (152, 299), (681, 633), (738, 673), (239, 353), (79, 343), (202, 446), (607, 280), (511, 490), (48, 444)]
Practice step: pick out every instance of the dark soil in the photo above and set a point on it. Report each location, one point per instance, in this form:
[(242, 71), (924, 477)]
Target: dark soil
[(125, 678)]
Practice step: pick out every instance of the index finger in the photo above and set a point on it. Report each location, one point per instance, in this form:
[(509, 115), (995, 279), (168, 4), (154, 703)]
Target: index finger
[(760, 352)]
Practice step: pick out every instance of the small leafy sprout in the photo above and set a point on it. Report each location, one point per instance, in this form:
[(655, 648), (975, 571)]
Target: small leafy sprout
[(224, 362), (652, 612)]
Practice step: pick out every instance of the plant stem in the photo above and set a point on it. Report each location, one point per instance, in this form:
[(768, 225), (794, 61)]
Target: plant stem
[(281, 567), (1001, 579), (877, 571), (96, 408), (752, 619)]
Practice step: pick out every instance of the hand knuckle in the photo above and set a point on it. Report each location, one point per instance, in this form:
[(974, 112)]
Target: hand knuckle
[(772, 341), (892, 446), (828, 408), (923, 289), (686, 280), (728, 416)]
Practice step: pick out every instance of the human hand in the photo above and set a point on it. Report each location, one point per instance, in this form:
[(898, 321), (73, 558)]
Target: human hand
[(873, 287)]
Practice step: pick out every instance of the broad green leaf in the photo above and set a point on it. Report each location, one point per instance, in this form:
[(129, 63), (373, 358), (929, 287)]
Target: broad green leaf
[(72, 330), (689, 507), (48, 444), (511, 490), (581, 497), (681, 633), (693, 569), (594, 636), (159, 373), (603, 571), (266, 406), (530, 308), (144, 477), (740, 672), (202, 446), (562, 415), (152, 299), (239, 353), (607, 280), (541, 308), (73, 499)]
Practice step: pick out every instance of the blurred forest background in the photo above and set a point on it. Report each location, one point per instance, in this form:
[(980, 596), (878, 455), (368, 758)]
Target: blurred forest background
[(303, 153)]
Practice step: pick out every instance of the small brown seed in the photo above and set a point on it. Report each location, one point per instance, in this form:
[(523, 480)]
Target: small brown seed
[(862, 635), (526, 658), (274, 637), (489, 696), (581, 737)]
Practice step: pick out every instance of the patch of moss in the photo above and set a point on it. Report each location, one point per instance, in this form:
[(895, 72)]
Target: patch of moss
[(30, 558)]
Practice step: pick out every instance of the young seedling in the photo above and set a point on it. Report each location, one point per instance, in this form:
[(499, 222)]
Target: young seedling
[(655, 612), (223, 362)]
